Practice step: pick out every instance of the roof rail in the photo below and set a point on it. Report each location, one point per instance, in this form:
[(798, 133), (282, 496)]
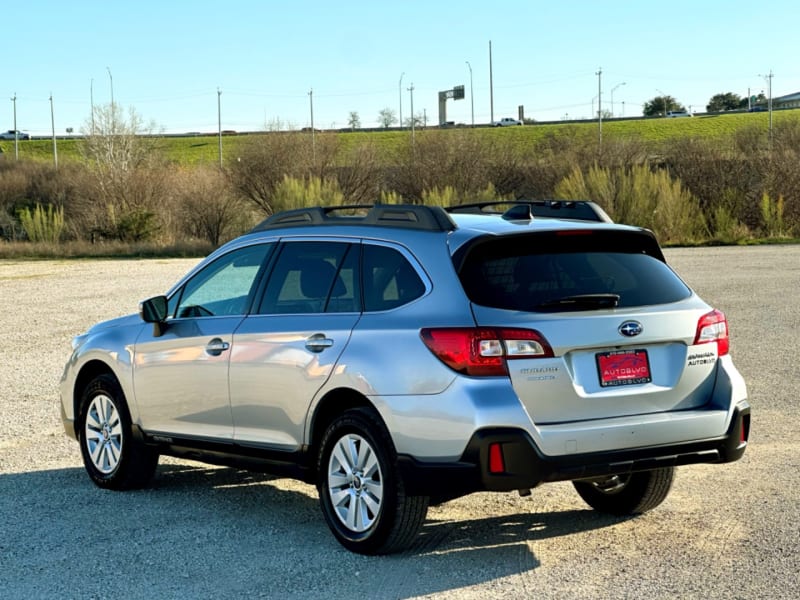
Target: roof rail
[(407, 216), (525, 210)]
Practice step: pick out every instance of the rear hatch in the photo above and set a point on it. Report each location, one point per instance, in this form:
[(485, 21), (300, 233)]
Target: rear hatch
[(621, 324)]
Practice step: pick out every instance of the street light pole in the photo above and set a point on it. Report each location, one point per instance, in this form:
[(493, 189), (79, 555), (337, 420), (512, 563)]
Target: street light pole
[(111, 80), (491, 86), (612, 97), (411, 89), (600, 105), (400, 94), (663, 100), (53, 128), (471, 94), (16, 133)]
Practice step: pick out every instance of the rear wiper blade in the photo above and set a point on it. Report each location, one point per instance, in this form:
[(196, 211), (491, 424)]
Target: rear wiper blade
[(581, 302)]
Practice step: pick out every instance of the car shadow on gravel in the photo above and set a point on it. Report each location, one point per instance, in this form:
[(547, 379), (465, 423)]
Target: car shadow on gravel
[(213, 532)]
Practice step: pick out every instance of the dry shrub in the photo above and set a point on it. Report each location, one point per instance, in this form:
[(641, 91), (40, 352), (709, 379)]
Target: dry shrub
[(208, 208), (455, 159), (265, 160), (639, 196)]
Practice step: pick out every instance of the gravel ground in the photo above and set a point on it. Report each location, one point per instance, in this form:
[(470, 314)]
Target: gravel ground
[(730, 531)]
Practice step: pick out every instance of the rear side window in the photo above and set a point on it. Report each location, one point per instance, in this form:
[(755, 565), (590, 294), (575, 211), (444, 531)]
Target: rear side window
[(546, 273), (389, 279)]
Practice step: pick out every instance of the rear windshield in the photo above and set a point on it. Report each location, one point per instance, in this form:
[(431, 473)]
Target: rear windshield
[(548, 272)]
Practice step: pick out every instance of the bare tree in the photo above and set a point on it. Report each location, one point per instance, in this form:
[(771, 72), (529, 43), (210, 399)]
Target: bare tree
[(128, 181), (354, 121), (386, 118)]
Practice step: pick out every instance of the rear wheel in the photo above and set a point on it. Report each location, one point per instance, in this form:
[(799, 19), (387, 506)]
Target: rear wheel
[(360, 490), (112, 456), (628, 494)]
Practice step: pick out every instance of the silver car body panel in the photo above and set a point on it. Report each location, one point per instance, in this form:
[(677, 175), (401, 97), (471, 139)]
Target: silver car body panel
[(265, 387)]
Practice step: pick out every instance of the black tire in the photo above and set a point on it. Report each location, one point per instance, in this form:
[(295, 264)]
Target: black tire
[(629, 494), (112, 456), (360, 490)]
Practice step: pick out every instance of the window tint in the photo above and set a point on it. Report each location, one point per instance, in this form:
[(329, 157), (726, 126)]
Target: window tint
[(313, 277), (224, 286), (389, 279), (529, 276)]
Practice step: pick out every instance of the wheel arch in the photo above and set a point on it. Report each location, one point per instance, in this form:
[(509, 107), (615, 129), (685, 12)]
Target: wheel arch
[(330, 406), (88, 372)]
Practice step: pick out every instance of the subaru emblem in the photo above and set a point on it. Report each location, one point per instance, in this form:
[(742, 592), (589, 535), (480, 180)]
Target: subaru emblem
[(630, 328)]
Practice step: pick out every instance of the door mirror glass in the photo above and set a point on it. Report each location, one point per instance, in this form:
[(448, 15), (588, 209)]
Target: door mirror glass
[(153, 310)]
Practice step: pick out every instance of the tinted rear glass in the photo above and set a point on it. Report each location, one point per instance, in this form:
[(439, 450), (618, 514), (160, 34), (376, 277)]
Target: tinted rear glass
[(532, 272)]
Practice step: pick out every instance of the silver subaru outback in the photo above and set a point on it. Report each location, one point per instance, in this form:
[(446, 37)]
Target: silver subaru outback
[(400, 355)]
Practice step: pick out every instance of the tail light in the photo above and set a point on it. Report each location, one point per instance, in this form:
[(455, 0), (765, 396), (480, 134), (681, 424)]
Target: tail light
[(483, 351), (713, 327)]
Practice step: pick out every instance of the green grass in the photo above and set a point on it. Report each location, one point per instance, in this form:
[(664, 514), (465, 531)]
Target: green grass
[(194, 150)]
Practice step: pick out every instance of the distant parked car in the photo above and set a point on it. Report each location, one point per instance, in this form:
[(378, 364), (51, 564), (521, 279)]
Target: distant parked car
[(757, 108), (677, 113), (507, 122), (12, 134)]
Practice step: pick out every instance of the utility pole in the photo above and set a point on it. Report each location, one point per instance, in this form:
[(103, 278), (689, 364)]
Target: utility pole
[(219, 126), (313, 138), (16, 134), (53, 128), (600, 105), (411, 89), (471, 94), (769, 103), (491, 87), (768, 79), (400, 93), (91, 100)]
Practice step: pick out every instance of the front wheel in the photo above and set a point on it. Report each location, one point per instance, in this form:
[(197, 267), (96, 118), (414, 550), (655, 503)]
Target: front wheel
[(112, 456), (360, 490), (628, 494)]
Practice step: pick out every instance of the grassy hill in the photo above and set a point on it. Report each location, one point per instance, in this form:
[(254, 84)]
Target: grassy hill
[(204, 149)]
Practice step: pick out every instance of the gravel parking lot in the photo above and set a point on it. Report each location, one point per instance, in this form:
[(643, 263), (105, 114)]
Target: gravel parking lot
[(730, 531)]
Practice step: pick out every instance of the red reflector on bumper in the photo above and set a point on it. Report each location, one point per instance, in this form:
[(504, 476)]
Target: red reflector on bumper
[(496, 462)]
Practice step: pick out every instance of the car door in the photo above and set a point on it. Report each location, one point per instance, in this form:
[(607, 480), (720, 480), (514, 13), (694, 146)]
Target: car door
[(285, 351), (181, 376)]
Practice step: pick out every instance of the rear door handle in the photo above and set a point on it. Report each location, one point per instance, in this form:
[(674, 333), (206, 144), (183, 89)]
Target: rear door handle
[(216, 347), (318, 342)]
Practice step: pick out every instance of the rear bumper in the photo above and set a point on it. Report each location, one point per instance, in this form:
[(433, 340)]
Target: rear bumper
[(525, 466)]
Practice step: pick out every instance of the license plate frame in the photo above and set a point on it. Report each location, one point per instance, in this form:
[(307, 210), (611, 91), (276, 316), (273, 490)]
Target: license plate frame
[(619, 368)]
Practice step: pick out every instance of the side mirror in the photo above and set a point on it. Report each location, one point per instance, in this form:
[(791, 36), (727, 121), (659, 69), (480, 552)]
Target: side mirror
[(154, 310)]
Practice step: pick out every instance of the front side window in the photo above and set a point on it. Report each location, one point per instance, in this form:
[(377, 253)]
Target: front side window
[(222, 288), (313, 277)]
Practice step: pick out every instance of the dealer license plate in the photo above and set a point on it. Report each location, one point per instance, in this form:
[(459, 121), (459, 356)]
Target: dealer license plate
[(624, 367)]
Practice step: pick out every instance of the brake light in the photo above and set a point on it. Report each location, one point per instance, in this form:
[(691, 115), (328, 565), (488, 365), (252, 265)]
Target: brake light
[(713, 327), (483, 351)]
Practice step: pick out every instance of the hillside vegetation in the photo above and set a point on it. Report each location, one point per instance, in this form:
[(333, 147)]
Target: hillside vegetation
[(708, 179)]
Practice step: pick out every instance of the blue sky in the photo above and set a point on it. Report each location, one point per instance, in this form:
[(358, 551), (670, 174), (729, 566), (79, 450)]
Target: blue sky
[(167, 59)]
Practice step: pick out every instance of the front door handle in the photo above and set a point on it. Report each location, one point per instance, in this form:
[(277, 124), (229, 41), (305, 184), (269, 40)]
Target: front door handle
[(216, 347), (318, 342)]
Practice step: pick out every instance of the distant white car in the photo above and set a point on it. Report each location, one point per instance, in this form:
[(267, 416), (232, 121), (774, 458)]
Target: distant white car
[(507, 122), (12, 134), (677, 113)]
